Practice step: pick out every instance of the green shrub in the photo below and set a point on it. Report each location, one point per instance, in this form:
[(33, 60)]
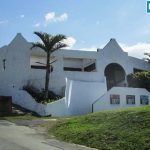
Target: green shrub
[(38, 95), (139, 80)]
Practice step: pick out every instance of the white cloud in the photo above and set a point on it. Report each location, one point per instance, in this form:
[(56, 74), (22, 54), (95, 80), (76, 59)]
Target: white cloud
[(70, 41), (38, 24), (22, 16), (62, 17), (136, 50), (51, 17), (3, 21)]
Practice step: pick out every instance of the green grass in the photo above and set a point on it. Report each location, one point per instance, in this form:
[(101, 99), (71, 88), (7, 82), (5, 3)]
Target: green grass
[(126, 129)]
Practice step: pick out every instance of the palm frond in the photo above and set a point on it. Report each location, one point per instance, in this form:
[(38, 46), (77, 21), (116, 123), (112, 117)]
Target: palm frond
[(147, 54), (42, 35), (48, 42), (148, 60), (53, 40), (38, 44), (44, 38), (59, 46)]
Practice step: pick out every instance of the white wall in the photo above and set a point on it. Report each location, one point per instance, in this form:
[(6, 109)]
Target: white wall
[(80, 95), (23, 99), (17, 55), (57, 108), (82, 88), (103, 103)]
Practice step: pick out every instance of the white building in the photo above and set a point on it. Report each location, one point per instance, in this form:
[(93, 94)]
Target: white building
[(89, 80)]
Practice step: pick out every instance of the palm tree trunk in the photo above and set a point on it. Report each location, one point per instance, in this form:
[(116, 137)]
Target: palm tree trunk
[(47, 75)]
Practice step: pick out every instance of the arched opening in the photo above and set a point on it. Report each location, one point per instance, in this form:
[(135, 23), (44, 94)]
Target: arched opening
[(115, 75)]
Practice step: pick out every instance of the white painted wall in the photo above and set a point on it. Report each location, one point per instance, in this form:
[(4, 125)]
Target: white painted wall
[(57, 108), (80, 95), (18, 71), (23, 99), (82, 87), (103, 103), (17, 55)]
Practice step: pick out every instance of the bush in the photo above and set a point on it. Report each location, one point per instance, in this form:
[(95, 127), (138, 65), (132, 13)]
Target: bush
[(38, 95), (139, 80)]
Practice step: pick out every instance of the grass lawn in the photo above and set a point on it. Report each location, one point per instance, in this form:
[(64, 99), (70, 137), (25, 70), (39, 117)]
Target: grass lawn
[(126, 129)]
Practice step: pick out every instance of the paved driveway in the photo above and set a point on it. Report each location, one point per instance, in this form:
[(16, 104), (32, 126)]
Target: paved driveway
[(14, 137)]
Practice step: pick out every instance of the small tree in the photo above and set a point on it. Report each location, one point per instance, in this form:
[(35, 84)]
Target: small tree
[(139, 80), (49, 44), (148, 55)]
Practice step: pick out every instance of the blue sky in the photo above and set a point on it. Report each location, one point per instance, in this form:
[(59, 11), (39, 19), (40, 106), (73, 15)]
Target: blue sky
[(88, 23)]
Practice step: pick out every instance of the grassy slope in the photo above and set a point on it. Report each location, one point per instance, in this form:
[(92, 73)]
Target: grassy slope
[(126, 129)]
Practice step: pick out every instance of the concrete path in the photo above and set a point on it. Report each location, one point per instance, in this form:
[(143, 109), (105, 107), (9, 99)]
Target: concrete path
[(14, 137)]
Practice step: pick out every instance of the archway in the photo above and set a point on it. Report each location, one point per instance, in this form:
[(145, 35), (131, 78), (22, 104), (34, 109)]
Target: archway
[(115, 75)]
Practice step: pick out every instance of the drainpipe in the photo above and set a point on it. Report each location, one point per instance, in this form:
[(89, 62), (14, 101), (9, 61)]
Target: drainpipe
[(92, 108)]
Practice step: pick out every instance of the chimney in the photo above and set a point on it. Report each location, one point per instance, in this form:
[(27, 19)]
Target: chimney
[(112, 39), (98, 49)]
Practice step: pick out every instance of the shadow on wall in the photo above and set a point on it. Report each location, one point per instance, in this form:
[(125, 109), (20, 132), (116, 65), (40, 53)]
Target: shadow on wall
[(38, 95)]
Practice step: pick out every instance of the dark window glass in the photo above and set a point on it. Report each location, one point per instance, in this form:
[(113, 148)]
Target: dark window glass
[(144, 99), (72, 69), (114, 99), (130, 99), (90, 68)]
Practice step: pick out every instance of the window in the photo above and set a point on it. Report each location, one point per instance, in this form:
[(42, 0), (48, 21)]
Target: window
[(4, 64), (73, 64), (144, 99), (114, 99), (41, 67), (90, 68), (38, 67), (130, 99), (72, 69), (79, 64)]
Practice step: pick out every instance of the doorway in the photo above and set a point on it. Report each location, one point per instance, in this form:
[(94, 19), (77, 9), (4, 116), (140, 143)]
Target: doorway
[(115, 75)]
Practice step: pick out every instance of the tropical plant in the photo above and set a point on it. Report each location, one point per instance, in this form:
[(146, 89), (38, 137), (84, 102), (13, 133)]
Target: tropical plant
[(148, 55), (139, 80), (38, 95), (49, 43)]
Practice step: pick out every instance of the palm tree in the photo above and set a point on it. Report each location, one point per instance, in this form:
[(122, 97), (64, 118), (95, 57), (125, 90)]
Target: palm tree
[(49, 43)]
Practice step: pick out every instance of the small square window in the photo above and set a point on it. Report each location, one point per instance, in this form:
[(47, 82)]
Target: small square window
[(148, 6), (144, 99), (130, 99), (114, 99)]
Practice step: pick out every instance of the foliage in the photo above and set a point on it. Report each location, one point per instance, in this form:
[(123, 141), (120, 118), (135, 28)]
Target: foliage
[(126, 129), (148, 55), (39, 96), (49, 43), (139, 80)]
